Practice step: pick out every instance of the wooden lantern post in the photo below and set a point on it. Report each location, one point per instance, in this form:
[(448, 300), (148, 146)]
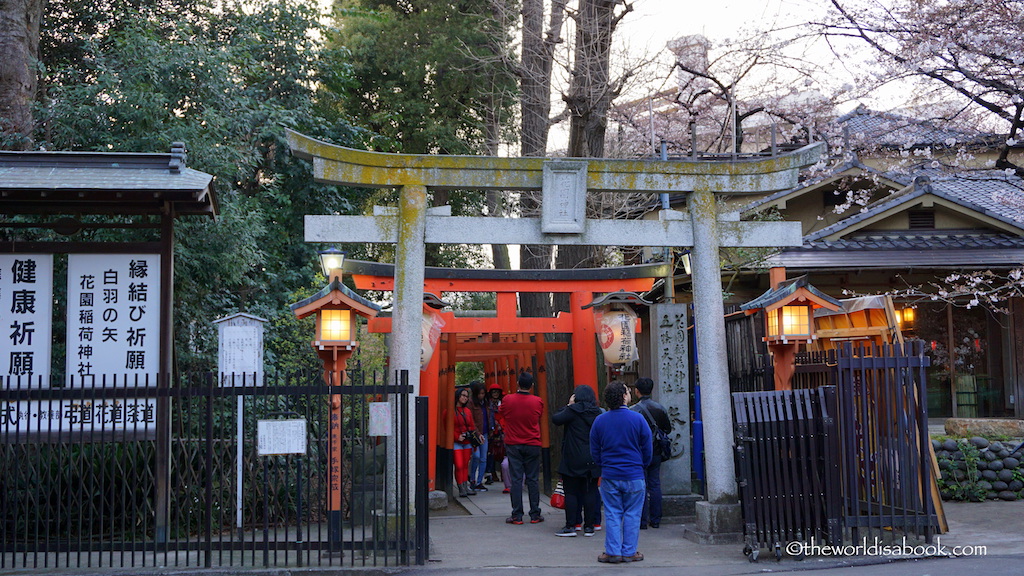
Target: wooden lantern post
[(789, 316), (336, 308)]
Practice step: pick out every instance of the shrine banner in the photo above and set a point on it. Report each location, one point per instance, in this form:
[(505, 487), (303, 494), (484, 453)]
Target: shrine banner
[(26, 311), (431, 335), (616, 332), (113, 322)]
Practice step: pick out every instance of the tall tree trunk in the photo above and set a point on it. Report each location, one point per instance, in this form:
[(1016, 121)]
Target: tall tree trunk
[(589, 98), (535, 86), (495, 205), (590, 89), (19, 52)]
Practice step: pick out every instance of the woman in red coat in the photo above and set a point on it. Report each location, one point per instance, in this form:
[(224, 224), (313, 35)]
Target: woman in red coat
[(465, 429)]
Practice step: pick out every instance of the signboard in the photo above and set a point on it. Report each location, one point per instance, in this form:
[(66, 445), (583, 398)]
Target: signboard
[(26, 312), (113, 321), (275, 437), (62, 416), (380, 419), (241, 355), (564, 197)]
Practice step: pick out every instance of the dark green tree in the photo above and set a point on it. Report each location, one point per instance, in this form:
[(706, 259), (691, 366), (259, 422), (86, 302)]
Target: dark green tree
[(225, 81), (430, 77)]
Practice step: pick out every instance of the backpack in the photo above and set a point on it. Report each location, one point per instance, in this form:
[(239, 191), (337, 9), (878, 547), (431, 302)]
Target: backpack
[(662, 441)]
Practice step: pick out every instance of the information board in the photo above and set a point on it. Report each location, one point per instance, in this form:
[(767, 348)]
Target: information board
[(276, 437), (113, 321), (26, 313)]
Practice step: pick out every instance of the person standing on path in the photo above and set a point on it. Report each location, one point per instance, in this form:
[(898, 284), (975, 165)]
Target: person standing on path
[(520, 415), (657, 418), (578, 469), (621, 444), (462, 449), (484, 420)]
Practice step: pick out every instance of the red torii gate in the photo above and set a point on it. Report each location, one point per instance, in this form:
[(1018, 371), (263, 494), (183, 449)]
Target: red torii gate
[(506, 341)]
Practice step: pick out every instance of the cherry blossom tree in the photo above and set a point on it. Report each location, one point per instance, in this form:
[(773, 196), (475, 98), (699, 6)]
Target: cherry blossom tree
[(965, 51)]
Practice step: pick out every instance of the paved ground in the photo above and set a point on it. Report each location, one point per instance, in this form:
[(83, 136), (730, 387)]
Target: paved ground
[(481, 539)]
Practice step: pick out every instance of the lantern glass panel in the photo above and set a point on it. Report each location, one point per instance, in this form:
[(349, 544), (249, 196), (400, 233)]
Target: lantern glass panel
[(790, 322), (908, 315), (336, 325), (796, 320)]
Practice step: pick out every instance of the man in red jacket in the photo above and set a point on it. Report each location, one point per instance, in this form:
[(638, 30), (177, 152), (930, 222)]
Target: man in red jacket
[(520, 415)]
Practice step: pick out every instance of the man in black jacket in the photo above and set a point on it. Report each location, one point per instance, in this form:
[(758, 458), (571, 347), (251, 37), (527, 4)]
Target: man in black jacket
[(657, 418)]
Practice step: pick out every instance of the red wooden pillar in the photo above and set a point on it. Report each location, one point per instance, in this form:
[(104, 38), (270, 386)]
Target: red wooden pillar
[(584, 353), (542, 389), (429, 388)]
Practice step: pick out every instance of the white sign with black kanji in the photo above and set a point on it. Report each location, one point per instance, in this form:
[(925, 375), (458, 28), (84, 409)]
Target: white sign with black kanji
[(26, 312), (113, 321)]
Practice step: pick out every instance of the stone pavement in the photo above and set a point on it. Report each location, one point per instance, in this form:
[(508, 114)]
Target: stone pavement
[(479, 538)]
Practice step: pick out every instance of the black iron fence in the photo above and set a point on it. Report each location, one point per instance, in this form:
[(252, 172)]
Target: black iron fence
[(290, 472), (845, 461)]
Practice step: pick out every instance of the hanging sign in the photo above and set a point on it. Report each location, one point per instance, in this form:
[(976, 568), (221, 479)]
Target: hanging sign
[(26, 312), (616, 332), (113, 322), (380, 419), (276, 437)]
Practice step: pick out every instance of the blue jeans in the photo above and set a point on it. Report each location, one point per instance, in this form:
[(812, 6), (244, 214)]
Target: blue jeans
[(524, 465), (652, 503), (478, 464), (623, 502)]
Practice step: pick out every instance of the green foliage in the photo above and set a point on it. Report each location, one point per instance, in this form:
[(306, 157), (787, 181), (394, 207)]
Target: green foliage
[(966, 488), (466, 372), (430, 77), (223, 79)]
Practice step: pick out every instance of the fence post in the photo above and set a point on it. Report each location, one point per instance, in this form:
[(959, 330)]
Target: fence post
[(422, 537)]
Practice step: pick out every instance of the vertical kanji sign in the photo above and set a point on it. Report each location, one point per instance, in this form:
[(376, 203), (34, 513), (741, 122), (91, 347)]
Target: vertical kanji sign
[(113, 322), (26, 312)]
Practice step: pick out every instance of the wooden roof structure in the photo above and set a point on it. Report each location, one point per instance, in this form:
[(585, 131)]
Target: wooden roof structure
[(112, 183)]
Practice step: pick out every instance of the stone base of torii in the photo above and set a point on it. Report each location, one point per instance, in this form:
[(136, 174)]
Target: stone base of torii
[(564, 185)]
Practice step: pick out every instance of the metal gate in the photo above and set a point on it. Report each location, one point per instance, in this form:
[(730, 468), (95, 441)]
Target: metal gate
[(786, 443), (243, 478), (831, 462), (887, 475)]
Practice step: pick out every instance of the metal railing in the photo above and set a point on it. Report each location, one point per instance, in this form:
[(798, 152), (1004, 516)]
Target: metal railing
[(80, 484)]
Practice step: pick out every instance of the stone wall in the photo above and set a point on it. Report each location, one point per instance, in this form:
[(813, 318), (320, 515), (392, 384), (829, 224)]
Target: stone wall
[(977, 469)]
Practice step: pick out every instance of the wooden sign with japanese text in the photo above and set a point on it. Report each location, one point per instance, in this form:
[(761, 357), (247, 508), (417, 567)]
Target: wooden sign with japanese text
[(26, 312), (113, 320)]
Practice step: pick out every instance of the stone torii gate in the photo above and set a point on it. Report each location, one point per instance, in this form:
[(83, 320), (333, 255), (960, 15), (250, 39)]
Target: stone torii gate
[(564, 184)]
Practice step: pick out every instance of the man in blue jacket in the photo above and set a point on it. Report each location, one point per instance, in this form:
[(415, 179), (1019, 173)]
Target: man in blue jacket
[(621, 444)]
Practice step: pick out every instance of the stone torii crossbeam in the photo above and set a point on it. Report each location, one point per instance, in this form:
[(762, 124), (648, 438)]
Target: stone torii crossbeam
[(564, 184)]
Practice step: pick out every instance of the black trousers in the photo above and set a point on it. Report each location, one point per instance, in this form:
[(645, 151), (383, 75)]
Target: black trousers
[(581, 492)]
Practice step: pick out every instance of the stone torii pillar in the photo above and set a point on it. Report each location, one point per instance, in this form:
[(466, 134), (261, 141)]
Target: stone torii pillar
[(564, 184)]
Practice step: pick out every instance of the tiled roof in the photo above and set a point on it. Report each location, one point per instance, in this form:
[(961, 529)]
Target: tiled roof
[(937, 240), (888, 130), (993, 193), (916, 249), (851, 165), (103, 182)]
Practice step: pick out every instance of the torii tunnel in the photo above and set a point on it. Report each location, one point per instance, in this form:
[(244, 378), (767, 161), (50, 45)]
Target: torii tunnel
[(504, 342)]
